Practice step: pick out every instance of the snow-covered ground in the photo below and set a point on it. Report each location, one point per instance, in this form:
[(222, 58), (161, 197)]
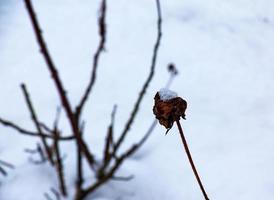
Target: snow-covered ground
[(224, 52)]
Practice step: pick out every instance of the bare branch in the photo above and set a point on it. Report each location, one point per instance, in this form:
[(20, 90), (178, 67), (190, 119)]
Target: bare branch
[(6, 164), (57, 117), (56, 193), (173, 72), (109, 138), (55, 123), (31, 133), (39, 151), (36, 122), (102, 33), (59, 86), (59, 164), (119, 160), (108, 146), (120, 178), (107, 176), (74, 116), (17, 128), (80, 179), (3, 172), (146, 84)]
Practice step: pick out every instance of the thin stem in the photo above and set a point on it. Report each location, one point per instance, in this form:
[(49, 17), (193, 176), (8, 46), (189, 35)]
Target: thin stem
[(148, 80), (190, 159), (59, 85), (80, 175), (36, 122), (6, 164), (100, 49), (32, 133), (59, 164)]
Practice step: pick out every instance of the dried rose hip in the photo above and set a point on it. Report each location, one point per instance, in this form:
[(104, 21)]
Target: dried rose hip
[(168, 108)]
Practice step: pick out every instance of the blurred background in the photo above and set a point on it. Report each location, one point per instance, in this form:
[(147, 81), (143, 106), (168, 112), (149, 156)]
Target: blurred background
[(224, 53)]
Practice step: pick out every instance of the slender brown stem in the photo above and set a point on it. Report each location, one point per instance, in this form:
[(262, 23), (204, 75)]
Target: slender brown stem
[(100, 49), (59, 85), (190, 159), (32, 133), (59, 164), (36, 122), (80, 175), (148, 80)]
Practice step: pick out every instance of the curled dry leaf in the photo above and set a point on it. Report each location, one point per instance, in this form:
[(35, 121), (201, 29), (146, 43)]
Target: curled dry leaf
[(169, 111)]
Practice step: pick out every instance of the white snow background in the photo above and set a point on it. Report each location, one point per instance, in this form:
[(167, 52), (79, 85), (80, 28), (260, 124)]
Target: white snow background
[(224, 52)]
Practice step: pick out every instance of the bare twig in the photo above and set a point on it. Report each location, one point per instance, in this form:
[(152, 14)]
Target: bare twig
[(140, 97), (36, 122), (38, 150), (102, 33), (59, 86), (120, 178), (59, 164), (3, 172), (173, 72), (80, 179), (57, 117), (146, 84), (6, 164), (105, 176), (119, 160), (108, 146), (74, 116), (111, 172), (56, 193), (18, 128), (55, 123), (109, 138), (190, 160), (31, 133)]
